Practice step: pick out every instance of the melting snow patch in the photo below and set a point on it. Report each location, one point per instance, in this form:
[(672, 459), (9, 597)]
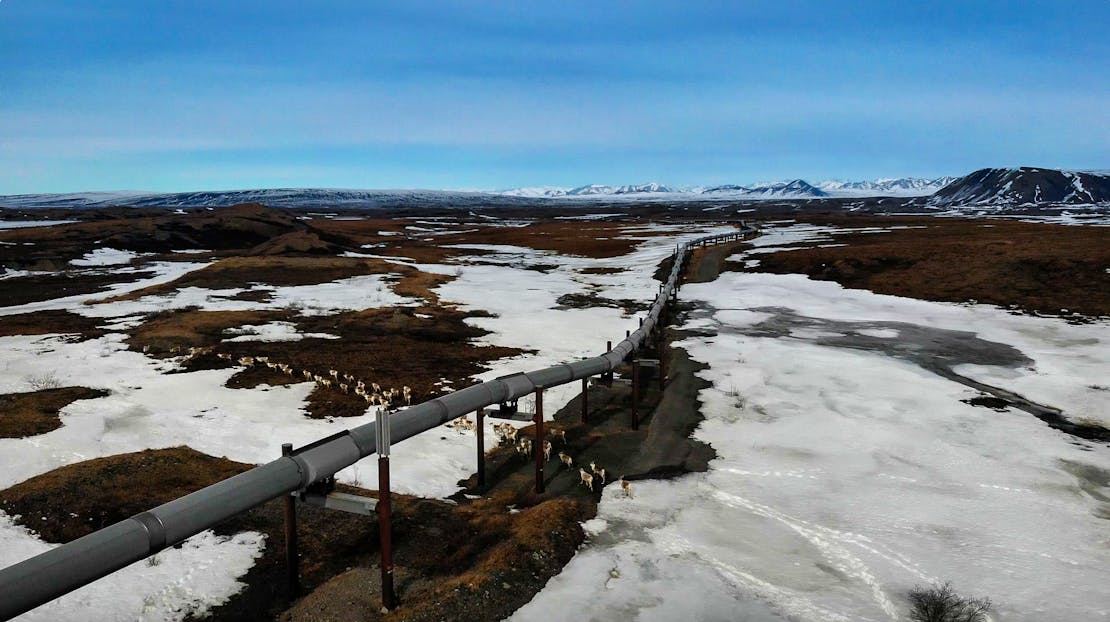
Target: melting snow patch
[(273, 331), (105, 257), (21, 224)]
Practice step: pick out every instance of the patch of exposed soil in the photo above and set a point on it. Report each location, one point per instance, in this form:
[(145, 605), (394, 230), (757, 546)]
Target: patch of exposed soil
[(596, 238), (591, 300), (601, 270), (50, 322), (157, 231), (238, 272), (394, 347), (34, 413), (78, 499), (40, 287), (1039, 268)]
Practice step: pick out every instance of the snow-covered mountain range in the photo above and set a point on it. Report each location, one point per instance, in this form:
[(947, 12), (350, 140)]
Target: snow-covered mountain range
[(791, 189), (1000, 187)]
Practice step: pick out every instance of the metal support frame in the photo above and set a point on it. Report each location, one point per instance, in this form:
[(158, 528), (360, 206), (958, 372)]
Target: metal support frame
[(585, 404), (537, 447), (607, 376), (481, 417), (636, 394), (292, 563), (385, 512)]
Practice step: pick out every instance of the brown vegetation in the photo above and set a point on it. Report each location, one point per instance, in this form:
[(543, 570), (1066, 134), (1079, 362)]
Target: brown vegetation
[(50, 322), (75, 500), (40, 287), (417, 347), (30, 414), (593, 238), (1036, 267)]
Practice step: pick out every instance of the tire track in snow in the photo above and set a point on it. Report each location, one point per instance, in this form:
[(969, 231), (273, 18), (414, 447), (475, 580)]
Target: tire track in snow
[(829, 542)]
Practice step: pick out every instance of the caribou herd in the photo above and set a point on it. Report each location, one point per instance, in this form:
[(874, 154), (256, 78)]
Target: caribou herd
[(507, 434)]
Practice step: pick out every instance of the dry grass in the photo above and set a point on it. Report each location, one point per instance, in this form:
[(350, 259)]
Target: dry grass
[(1037, 267), (30, 414), (75, 500), (49, 322)]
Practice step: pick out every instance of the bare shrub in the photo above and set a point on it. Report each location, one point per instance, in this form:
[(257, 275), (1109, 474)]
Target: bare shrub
[(44, 381), (940, 603)]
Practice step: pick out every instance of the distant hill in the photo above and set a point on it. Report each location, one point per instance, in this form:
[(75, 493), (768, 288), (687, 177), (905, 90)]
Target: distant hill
[(1007, 187), (996, 187)]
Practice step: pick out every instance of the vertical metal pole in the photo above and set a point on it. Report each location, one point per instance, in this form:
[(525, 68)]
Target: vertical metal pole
[(635, 395), (585, 388), (385, 512), (608, 346), (662, 368), (481, 447), (538, 445), (292, 568)]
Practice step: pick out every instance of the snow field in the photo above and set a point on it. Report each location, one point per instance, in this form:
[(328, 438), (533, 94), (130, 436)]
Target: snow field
[(203, 572), (846, 477)]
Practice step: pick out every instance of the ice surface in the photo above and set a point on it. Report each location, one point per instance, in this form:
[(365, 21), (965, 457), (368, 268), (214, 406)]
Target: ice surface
[(845, 477)]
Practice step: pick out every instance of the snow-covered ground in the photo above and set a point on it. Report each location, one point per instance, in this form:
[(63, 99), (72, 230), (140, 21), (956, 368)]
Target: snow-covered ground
[(22, 224), (149, 408), (846, 476), (190, 579)]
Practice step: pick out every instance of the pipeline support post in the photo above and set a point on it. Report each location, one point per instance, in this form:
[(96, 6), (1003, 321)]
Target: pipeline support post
[(481, 417), (537, 447), (585, 405), (385, 512), (607, 376), (635, 394), (292, 564)]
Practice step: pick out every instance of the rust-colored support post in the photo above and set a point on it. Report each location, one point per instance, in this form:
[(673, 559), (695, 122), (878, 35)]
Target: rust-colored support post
[(635, 395), (481, 416), (292, 565), (537, 447), (585, 389)]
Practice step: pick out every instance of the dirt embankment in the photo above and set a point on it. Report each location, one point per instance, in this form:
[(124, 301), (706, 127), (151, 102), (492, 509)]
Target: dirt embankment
[(1039, 268)]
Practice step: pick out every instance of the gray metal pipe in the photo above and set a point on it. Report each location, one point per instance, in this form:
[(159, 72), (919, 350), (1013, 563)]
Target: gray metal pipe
[(34, 581)]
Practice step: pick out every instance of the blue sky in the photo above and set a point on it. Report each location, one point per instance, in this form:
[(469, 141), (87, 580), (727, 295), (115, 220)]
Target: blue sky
[(201, 94)]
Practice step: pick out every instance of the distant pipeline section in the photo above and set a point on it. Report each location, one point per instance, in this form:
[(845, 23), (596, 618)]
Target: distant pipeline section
[(40, 579)]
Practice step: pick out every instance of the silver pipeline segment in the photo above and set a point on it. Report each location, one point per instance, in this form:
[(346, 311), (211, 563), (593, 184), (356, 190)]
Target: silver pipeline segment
[(34, 581)]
